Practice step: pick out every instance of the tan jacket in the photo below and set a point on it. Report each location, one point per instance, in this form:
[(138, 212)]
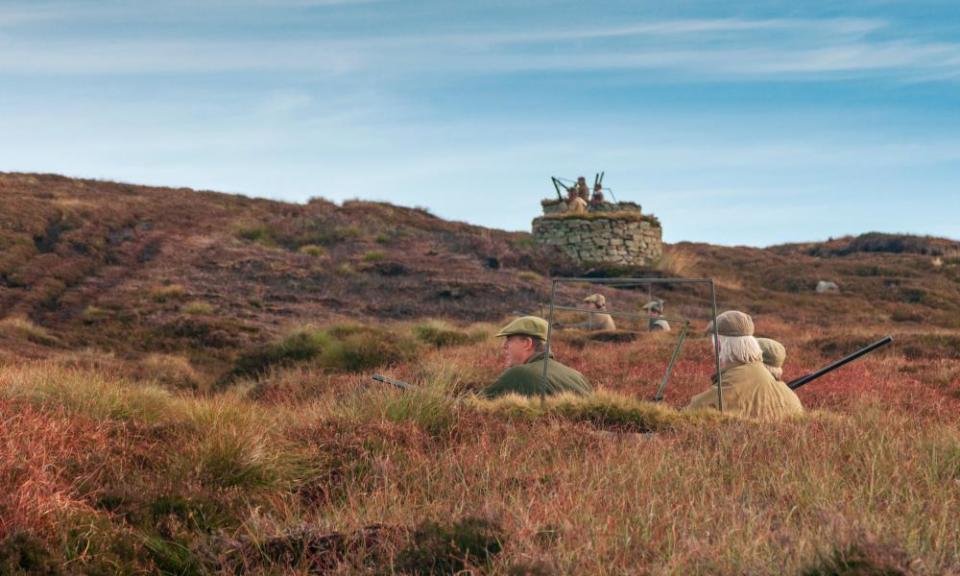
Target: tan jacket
[(597, 321), (577, 206), (749, 390)]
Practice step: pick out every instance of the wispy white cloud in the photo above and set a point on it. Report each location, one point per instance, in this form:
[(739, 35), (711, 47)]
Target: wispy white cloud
[(717, 49)]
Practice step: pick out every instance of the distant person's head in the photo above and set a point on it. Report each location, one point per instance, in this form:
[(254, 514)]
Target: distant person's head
[(774, 355), (523, 339), (598, 301), (654, 308), (737, 344)]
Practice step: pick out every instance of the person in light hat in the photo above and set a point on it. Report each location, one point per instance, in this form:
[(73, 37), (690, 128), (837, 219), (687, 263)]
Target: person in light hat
[(596, 320), (774, 355), (656, 323), (749, 390), (524, 354)]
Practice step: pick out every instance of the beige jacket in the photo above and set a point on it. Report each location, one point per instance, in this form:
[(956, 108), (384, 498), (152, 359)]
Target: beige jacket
[(750, 391)]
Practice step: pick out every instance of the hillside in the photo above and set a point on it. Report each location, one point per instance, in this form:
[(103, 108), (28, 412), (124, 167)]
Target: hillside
[(134, 269), (185, 390)]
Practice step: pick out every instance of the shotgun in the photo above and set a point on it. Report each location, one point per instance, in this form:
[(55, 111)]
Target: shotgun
[(841, 362)]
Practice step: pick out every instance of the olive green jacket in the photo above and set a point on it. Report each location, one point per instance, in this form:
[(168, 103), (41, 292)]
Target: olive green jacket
[(749, 390), (527, 380)]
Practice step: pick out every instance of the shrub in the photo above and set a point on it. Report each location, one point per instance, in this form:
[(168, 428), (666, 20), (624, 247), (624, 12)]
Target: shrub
[(173, 371), (441, 335), (168, 293), (374, 256), (450, 549), (361, 348), (257, 233), (24, 329), (343, 347), (23, 554), (529, 276), (313, 250), (198, 308), (300, 346), (94, 314)]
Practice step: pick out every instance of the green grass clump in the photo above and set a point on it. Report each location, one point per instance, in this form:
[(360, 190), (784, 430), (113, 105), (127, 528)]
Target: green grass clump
[(362, 348), (343, 347), (440, 334), (529, 276), (313, 250), (26, 330), (170, 292), (434, 412), (374, 256), (198, 308)]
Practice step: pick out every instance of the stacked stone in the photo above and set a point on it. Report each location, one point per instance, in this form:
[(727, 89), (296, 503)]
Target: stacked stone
[(602, 240)]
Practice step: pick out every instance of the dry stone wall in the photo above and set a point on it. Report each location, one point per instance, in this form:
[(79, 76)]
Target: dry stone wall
[(599, 240)]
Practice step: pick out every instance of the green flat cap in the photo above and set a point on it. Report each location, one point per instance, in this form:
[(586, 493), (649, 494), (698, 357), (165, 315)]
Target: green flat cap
[(525, 326), (732, 323), (774, 353), (653, 306)]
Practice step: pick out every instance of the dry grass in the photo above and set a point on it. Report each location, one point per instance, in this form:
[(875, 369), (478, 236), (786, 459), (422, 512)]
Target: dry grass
[(678, 262), (374, 477)]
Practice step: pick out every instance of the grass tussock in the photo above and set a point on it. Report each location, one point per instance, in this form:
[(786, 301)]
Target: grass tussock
[(344, 347), (678, 262), (23, 329), (198, 308), (92, 394), (168, 293), (440, 334), (603, 410)]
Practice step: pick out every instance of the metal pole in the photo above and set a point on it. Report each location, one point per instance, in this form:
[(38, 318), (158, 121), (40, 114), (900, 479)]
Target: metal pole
[(610, 313), (716, 345), (673, 360), (546, 353)]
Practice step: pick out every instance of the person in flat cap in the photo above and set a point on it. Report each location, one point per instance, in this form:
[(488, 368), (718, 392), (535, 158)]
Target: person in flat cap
[(749, 389), (774, 355), (596, 320), (656, 323), (524, 354)]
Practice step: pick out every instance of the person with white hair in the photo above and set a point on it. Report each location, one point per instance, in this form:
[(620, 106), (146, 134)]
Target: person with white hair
[(749, 389)]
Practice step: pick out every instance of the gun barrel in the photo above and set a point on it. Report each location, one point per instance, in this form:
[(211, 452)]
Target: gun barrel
[(841, 362), (391, 381)]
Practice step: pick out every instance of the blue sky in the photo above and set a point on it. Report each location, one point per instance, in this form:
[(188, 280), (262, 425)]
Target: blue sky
[(734, 122)]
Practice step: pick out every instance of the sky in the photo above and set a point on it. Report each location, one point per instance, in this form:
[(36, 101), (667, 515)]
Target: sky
[(734, 122)]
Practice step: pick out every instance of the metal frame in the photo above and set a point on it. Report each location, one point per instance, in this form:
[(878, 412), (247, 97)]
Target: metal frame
[(626, 282)]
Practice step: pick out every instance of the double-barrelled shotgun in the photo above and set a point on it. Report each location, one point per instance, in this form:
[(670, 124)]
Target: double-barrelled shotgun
[(841, 362)]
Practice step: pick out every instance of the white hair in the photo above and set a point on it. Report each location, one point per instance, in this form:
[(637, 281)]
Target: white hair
[(739, 350), (774, 371)]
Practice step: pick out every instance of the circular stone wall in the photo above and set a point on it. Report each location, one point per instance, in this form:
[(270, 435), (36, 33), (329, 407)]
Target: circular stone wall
[(621, 239)]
